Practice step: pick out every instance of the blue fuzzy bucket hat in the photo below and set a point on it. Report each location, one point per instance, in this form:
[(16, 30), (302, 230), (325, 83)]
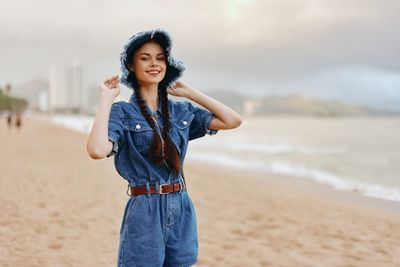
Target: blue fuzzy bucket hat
[(175, 67)]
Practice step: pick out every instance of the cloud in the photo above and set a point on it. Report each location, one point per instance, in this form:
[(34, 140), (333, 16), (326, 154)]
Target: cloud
[(232, 43)]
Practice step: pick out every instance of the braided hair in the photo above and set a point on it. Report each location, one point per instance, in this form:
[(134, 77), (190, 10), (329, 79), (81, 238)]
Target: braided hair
[(160, 151)]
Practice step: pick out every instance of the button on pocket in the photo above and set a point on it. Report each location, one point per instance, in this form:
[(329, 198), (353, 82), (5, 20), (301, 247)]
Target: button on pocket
[(183, 120), (141, 133), (180, 131)]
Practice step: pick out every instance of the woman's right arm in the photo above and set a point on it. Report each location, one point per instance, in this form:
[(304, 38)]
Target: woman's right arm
[(98, 145)]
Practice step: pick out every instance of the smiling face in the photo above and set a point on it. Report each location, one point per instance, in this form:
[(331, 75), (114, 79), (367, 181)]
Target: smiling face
[(149, 64)]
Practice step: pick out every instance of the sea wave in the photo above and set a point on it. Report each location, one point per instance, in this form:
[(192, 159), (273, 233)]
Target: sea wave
[(276, 148), (80, 123), (83, 124), (301, 171)]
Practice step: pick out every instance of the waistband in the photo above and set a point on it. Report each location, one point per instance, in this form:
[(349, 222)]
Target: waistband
[(160, 189)]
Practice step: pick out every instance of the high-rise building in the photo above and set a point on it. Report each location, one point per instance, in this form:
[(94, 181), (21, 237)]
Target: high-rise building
[(75, 85), (65, 87)]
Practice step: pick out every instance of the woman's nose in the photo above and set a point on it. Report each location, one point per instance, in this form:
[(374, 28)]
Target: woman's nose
[(153, 62)]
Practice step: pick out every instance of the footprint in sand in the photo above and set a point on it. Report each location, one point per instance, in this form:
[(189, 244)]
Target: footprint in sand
[(382, 251), (39, 228), (229, 246), (219, 258), (60, 237), (54, 214), (265, 263), (56, 246), (83, 226), (255, 217), (237, 231), (41, 205)]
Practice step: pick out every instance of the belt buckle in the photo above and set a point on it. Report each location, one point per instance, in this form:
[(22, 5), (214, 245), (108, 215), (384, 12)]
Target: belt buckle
[(160, 190)]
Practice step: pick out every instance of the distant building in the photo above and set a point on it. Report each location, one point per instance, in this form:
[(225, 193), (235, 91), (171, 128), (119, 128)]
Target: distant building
[(75, 85), (65, 87)]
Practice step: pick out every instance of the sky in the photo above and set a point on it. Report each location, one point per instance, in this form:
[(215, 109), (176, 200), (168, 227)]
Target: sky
[(333, 49)]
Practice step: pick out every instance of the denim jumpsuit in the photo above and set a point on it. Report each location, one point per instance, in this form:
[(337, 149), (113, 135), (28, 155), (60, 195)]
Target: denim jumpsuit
[(156, 230)]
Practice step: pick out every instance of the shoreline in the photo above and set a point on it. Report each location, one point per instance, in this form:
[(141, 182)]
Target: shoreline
[(305, 185), (391, 204)]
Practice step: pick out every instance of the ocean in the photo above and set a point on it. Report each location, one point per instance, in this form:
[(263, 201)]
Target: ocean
[(359, 154)]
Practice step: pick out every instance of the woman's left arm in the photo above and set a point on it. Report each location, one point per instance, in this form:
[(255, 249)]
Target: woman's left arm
[(225, 117)]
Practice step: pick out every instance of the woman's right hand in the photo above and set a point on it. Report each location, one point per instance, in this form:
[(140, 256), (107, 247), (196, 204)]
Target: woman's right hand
[(110, 87)]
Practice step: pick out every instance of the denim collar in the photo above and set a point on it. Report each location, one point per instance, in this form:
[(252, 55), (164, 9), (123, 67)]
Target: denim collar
[(133, 101)]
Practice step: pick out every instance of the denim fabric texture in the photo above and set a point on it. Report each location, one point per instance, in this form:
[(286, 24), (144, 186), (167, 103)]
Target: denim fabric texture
[(131, 135), (156, 230)]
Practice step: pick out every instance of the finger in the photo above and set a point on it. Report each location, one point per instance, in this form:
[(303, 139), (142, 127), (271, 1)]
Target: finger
[(109, 84), (114, 84), (111, 78), (115, 81)]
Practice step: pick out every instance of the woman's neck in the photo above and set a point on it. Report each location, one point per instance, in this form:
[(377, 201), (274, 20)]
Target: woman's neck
[(150, 95)]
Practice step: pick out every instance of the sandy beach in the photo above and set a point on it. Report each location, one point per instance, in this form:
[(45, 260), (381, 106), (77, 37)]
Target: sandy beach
[(61, 208)]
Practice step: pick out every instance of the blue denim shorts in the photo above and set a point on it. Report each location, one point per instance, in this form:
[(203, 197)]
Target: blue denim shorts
[(158, 231)]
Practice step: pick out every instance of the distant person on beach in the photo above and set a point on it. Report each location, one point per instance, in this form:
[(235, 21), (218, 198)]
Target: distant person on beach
[(9, 121), (148, 137), (18, 121)]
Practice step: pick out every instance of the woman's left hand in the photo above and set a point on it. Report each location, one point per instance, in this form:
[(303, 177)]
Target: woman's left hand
[(180, 89)]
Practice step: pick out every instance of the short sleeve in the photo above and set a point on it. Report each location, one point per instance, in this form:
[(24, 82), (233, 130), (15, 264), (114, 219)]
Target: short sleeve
[(200, 123), (115, 129)]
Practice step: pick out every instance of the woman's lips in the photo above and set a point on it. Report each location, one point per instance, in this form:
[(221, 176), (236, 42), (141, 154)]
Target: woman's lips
[(153, 73)]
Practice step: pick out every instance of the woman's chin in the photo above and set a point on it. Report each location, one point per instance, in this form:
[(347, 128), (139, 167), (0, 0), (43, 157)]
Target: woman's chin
[(150, 81), (158, 79)]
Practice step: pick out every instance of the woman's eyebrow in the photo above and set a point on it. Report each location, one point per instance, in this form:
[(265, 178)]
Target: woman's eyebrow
[(149, 54)]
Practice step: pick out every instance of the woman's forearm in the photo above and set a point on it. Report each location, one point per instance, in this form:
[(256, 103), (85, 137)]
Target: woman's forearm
[(98, 145), (228, 118)]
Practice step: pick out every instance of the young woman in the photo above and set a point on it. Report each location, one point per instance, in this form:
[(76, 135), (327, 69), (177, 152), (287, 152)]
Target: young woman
[(148, 137)]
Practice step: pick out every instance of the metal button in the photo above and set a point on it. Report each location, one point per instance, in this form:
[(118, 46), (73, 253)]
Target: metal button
[(138, 126), (184, 122)]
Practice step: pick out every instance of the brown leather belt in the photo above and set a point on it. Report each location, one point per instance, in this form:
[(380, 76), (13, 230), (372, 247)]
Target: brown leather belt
[(163, 189)]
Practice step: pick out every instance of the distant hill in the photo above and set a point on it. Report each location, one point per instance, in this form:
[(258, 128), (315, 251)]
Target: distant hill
[(232, 99), (301, 105), (294, 104)]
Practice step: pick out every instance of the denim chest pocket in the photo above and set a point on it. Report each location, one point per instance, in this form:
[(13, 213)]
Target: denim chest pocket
[(180, 131), (140, 131)]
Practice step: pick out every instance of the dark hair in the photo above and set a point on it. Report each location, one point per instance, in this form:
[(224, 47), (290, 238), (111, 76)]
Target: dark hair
[(157, 150)]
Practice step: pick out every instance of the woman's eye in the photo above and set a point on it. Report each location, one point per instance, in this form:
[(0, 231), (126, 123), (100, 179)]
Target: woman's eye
[(146, 58)]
